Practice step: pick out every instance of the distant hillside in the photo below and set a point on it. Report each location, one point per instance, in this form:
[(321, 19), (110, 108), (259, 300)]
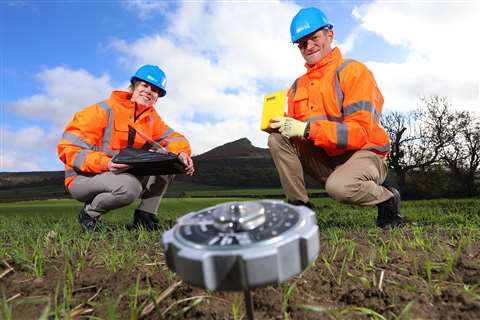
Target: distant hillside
[(15, 179), (32, 185), (236, 164), (241, 148)]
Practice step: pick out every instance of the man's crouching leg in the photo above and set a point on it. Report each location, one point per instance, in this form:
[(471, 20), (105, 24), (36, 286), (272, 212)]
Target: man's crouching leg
[(289, 167), (359, 181)]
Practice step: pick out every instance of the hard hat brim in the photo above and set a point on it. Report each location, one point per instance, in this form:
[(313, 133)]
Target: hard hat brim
[(300, 37), (162, 91)]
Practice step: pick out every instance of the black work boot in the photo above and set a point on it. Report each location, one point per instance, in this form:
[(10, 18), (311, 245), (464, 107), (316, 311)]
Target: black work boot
[(87, 222), (389, 211), (146, 220), (308, 204)]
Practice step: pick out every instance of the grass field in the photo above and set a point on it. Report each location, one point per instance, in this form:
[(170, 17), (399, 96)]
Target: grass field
[(430, 269)]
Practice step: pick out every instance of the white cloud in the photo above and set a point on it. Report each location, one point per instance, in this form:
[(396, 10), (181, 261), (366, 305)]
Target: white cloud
[(347, 45), (443, 53), (64, 91), (144, 8), (211, 135), (29, 149), (14, 161)]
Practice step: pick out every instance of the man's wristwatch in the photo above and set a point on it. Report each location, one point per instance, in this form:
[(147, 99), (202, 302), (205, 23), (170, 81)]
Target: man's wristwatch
[(307, 131)]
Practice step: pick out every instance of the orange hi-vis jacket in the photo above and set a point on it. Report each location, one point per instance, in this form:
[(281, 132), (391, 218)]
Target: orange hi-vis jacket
[(341, 101), (100, 131)]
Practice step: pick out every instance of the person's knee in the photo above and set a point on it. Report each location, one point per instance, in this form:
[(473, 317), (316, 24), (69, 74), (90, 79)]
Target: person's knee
[(274, 140), (128, 192), (341, 192)]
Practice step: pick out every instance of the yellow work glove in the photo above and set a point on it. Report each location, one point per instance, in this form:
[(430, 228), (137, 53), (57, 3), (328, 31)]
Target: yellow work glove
[(289, 127)]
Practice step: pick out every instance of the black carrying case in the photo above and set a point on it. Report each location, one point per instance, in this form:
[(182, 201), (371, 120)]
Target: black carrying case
[(143, 162)]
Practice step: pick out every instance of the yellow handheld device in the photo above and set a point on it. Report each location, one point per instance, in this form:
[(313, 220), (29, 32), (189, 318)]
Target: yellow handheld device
[(273, 106)]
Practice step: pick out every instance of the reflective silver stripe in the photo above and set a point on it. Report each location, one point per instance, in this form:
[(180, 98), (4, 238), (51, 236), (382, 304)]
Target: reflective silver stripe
[(70, 173), (338, 88), (384, 148), (175, 139), (80, 158), (76, 140), (361, 105), (152, 121), (111, 153), (107, 133), (345, 63), (342, 135), (294, 88), (104, 106), (165, 134), (320, 118)]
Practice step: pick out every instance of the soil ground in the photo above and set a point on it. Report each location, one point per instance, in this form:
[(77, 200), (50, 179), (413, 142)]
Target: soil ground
[(334, 287)]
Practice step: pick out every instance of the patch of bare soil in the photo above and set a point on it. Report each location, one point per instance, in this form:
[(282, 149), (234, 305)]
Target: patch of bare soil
[(334, 291)]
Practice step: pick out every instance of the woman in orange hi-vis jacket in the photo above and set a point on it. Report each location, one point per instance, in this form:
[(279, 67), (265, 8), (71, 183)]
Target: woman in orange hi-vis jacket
[(99, 132), (332, 128)]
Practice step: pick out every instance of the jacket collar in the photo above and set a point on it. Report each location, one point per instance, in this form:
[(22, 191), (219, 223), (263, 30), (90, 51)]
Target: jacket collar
[(332, 57), (123, 99)]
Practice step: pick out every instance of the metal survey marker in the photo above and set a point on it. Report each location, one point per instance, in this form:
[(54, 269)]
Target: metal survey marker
[(237, 246)]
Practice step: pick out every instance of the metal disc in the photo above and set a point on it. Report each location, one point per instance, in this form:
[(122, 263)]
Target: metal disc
[(242, 245)]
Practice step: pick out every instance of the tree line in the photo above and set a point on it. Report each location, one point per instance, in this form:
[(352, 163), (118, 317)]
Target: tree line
[(435, 150)]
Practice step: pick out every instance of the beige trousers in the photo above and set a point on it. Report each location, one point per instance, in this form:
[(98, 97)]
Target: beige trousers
[(354, 177), (107, 191)]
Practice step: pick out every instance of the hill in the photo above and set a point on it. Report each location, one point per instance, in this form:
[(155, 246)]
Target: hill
[(241, 148), (235, 164)]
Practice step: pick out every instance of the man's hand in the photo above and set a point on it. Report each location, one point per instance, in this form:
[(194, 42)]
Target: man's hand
[(289, 127), (187, 161), (117, 167)]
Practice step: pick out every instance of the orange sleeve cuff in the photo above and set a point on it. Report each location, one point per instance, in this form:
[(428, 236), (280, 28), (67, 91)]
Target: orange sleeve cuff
[(104, 163)]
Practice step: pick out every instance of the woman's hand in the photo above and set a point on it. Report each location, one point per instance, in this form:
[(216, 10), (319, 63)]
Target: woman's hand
[(117, 167), (188, 162)]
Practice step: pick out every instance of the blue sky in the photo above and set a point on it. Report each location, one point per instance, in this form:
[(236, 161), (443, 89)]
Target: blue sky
[(220, 58)]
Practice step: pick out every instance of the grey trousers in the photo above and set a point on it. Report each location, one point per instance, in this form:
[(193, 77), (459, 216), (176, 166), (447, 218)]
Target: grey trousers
[(354, 177), (107, 191)]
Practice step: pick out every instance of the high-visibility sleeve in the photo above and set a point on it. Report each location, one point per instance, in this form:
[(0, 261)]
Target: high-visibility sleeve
[(362, 103), (77, 148), (170, 139)]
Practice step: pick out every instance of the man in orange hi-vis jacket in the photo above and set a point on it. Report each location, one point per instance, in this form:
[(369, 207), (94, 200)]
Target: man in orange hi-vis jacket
[(332, 128), (99, 132)]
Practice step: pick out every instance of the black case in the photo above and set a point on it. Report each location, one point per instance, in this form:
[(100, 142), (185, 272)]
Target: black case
[(148, 163)]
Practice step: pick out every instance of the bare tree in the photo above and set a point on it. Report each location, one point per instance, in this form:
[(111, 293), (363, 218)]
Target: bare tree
[(462, 155), (396, 125), (437, 120), (418, 137), (435, 133)]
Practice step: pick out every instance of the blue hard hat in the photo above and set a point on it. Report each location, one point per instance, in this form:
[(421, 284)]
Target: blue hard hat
[(307, 21), (153, 75)]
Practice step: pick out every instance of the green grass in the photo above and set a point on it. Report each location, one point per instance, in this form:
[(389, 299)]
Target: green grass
[(400, 274), (259, 193)]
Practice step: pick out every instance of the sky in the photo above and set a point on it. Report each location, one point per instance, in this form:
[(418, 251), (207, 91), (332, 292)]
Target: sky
[(220, 58)]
